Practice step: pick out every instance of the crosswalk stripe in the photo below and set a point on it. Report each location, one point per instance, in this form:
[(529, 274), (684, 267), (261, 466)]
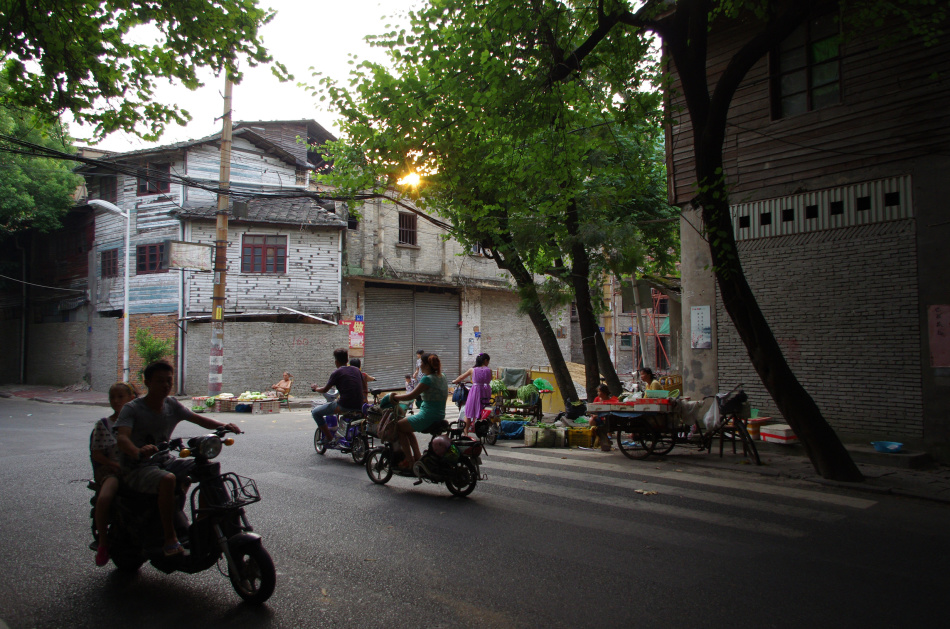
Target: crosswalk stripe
[(708, 518), (671, 490), (711, 481)]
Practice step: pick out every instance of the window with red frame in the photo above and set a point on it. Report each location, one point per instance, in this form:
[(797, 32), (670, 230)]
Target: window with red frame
[(110, 262), (108, 188), (264, 254), (153, 179), (149, 259)]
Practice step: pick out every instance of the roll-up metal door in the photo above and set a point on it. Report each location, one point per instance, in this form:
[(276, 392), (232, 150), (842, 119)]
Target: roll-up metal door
[(437, 330), (390, 353)]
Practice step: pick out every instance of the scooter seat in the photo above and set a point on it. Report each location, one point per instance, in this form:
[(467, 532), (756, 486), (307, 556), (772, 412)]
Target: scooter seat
[(437, 428)]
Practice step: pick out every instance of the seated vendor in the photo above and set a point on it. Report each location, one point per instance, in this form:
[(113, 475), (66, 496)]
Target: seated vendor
[(649, 382), (597, 421), (282, 388)]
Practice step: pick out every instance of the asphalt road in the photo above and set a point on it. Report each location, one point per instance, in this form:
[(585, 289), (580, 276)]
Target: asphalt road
[(551, 539)]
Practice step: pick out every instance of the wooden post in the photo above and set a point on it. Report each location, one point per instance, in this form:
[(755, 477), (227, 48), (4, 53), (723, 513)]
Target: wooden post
[(221, 250)]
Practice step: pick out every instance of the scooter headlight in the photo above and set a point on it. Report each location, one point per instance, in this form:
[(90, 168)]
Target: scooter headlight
[(210, 447)]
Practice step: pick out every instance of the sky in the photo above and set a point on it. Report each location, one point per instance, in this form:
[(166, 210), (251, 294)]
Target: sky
[(304, 34)]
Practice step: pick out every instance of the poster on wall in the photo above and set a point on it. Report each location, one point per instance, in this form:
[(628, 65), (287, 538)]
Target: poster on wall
[(700, 327), (939, 324), (356, 337)]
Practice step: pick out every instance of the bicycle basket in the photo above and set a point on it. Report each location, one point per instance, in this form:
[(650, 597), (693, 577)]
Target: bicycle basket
[(732, 403), (241, 491)]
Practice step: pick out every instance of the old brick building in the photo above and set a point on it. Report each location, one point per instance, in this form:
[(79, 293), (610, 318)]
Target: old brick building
[(836, 155)]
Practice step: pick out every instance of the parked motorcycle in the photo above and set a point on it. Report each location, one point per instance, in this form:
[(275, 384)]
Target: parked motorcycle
[(217, 528), (455, 461), (351, 436)]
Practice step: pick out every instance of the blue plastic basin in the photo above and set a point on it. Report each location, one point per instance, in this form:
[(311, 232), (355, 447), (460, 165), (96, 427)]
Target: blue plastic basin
[(887, 447)]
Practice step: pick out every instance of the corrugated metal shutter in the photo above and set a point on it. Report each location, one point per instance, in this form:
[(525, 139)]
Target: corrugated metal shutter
[(437, 330), (390, 353)]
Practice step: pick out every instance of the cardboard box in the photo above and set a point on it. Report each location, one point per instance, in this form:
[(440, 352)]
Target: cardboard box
[(778, 433)]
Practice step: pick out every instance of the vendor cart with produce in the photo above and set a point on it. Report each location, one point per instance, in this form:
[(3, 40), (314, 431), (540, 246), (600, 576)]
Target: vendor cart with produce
[(514, 395), (651, 425)]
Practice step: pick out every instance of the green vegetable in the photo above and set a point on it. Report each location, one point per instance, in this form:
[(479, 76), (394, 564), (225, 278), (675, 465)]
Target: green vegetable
[(497, 386), (526, 392), (210, 402), (197, 408)]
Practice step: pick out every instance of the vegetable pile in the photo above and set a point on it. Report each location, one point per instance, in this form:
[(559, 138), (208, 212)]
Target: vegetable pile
[(497, 386), (526, 392)]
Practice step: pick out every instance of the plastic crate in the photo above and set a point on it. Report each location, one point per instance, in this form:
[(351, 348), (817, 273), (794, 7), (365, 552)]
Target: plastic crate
[(266, 406), (580, 437)]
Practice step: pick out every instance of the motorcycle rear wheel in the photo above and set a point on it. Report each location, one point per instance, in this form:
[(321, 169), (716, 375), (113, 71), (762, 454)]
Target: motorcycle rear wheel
[(463, 478), (125, 562), (318, 444), (257, 576), (379, 467), (492, 435)]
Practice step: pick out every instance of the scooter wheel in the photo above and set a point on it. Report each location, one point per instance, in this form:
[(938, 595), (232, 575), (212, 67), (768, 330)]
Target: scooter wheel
[(360, 446), (463, 478), (379, 467), (256, 576), (318, 444)]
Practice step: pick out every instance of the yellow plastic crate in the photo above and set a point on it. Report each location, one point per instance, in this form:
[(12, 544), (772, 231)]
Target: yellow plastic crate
[(580, 437)]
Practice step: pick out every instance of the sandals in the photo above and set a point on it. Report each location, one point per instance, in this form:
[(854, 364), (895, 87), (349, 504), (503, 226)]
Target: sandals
[(170, 550)]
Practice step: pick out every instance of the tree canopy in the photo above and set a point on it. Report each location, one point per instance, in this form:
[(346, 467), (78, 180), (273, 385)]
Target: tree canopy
[(544, 177), (88, 56), (34, 191)]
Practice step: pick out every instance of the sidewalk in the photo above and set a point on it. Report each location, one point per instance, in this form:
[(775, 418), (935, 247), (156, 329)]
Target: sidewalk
[(884, 473)]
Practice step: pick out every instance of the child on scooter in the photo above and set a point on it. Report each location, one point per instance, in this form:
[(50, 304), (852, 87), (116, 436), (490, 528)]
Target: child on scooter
[(104, 452)]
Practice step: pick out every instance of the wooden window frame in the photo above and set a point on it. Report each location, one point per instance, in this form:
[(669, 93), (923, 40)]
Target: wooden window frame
[(147, 184), (810, 64), (109, 261), (264, 254), (109, 188), (408, 230), (150, 259)]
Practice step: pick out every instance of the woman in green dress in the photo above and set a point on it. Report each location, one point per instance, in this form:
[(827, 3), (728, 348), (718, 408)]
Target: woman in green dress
[(433, 389)]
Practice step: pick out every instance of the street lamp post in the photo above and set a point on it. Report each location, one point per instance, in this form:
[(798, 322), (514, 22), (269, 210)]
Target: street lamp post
[(128, 260)]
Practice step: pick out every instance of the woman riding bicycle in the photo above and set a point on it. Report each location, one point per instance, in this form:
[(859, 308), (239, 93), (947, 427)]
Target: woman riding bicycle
[(433, 389)]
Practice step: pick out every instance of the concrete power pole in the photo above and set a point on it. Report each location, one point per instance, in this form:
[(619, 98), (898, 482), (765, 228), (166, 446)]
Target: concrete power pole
[(221, 249)]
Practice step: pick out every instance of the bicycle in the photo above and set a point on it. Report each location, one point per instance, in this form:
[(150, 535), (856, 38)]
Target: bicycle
[(728, 425)]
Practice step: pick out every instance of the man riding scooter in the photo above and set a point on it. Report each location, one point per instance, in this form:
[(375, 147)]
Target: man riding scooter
[(146, 422), (349, 382)]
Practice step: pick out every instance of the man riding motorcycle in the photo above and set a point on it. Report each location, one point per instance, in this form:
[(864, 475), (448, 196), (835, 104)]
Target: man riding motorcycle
[(141, 426)]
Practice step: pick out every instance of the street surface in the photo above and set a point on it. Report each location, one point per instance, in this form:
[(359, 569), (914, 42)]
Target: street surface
[(553, 538)]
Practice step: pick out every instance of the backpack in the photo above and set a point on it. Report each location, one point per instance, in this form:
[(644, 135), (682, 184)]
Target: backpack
[(387, 426)]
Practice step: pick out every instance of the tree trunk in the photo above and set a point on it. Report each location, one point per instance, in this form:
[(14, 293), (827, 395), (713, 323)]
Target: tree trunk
[(825, 450), (552, 350), (607, 367)]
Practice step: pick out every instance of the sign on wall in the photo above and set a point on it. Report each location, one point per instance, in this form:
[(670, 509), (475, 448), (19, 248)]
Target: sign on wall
[(357, 336), (939, 326), (700, 327), (190, 255)]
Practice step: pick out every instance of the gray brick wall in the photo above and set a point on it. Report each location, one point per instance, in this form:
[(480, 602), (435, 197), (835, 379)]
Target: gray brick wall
[(56, 353), (255, 355), (106, 345), (510, 338), (10, 357), (843, 305)]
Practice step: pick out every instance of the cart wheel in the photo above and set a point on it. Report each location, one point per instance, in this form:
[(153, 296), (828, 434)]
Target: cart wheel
[(492, 435), (665, 442), (637, 445)]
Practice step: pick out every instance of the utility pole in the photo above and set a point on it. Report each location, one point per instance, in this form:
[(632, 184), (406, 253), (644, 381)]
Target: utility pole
[(221, 249)]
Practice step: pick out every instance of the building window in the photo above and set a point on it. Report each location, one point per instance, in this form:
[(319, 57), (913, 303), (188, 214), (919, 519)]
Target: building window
[(805, 69), (626, 341), (300, 177), (153, 179), (108, 188), (150, 259), (477, 249), (407, 229), (110, 262), (353, 222), (264, 254)]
